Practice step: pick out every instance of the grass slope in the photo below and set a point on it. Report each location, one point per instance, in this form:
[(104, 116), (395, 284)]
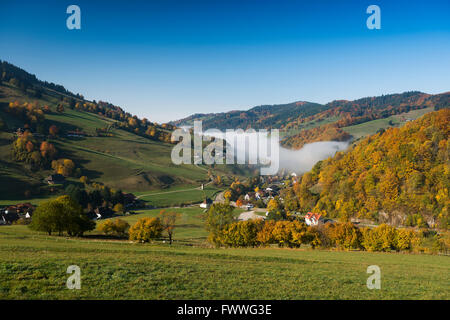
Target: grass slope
[(371, 127)]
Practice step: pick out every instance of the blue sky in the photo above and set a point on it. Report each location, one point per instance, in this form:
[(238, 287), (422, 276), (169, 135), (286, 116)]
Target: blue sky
[(167, 59)]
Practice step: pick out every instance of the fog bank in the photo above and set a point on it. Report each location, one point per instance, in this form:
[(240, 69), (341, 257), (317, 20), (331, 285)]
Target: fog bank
[(298, 161), (302, 160)]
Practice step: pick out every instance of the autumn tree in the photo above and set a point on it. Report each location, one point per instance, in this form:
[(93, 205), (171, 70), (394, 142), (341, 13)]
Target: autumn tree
[(146, 230), (168, 221), (61, 215), (116, 227), (218, 216), (53, 130)]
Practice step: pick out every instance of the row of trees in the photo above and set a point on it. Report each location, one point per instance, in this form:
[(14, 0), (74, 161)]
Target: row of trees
[(145, 229), (224, 230), (126, 121), (100, 195)]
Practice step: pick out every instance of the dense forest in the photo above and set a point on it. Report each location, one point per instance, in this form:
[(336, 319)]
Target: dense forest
[(260, 117), (399, 176)]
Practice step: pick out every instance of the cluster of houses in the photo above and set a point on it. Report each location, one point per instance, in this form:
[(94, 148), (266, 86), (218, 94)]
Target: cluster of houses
[(13, 213), (264, 194)]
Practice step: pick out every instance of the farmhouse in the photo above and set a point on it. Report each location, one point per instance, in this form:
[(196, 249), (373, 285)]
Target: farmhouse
[(313, 219), (206, 203)]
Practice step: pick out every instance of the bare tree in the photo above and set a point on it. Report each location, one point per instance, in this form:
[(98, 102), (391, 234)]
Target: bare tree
[(168, 220)]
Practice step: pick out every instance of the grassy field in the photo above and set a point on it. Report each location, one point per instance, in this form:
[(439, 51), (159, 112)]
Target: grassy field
[(178, 195), (33, 266)]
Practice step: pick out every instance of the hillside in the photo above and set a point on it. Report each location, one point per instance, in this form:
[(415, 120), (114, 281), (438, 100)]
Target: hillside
[(105, 144), (305, 122), (265, 116), (369, 114), (400, 176)]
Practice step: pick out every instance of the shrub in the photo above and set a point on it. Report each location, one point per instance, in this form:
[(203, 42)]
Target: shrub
[(406, 239), (265, 235), (22, 221), (241, 234), (381, 238), (345, 235), (146, 230), (116, 227), (118, 207), (285, 233)]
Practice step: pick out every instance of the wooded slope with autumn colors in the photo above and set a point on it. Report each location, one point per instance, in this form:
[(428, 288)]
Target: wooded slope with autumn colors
[(400, 176)]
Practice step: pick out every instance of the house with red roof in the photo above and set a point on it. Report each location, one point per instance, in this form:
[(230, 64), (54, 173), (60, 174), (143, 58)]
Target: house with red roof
[(312, 219)]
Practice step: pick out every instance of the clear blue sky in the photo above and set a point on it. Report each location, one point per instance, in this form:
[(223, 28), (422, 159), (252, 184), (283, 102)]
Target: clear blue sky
[(167, 59)]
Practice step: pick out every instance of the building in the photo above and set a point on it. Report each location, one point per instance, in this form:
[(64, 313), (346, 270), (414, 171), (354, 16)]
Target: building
[(206, 203), (313, 219)]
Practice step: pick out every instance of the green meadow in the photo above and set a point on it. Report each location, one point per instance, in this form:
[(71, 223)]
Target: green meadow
[(371, 127), (33, 266)]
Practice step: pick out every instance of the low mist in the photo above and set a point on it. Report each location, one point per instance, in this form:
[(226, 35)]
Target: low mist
[(302, 160), (298, 161)]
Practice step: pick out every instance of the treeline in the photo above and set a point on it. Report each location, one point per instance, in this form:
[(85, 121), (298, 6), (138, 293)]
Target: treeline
[(98, 196), (265, 116), (224, 230), (126, 121), (400, 176), (24, 80)]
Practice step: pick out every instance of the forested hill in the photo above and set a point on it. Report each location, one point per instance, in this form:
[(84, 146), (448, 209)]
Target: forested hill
[(265, 116), (401, 175), (304, 122)]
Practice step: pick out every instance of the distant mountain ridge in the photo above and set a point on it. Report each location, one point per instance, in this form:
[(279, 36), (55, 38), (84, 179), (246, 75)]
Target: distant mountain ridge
[(263, 116), (303, 122), (284, 115)]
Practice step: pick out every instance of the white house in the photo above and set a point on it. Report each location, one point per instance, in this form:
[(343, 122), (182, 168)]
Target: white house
[(312, 219), (206, 203)]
